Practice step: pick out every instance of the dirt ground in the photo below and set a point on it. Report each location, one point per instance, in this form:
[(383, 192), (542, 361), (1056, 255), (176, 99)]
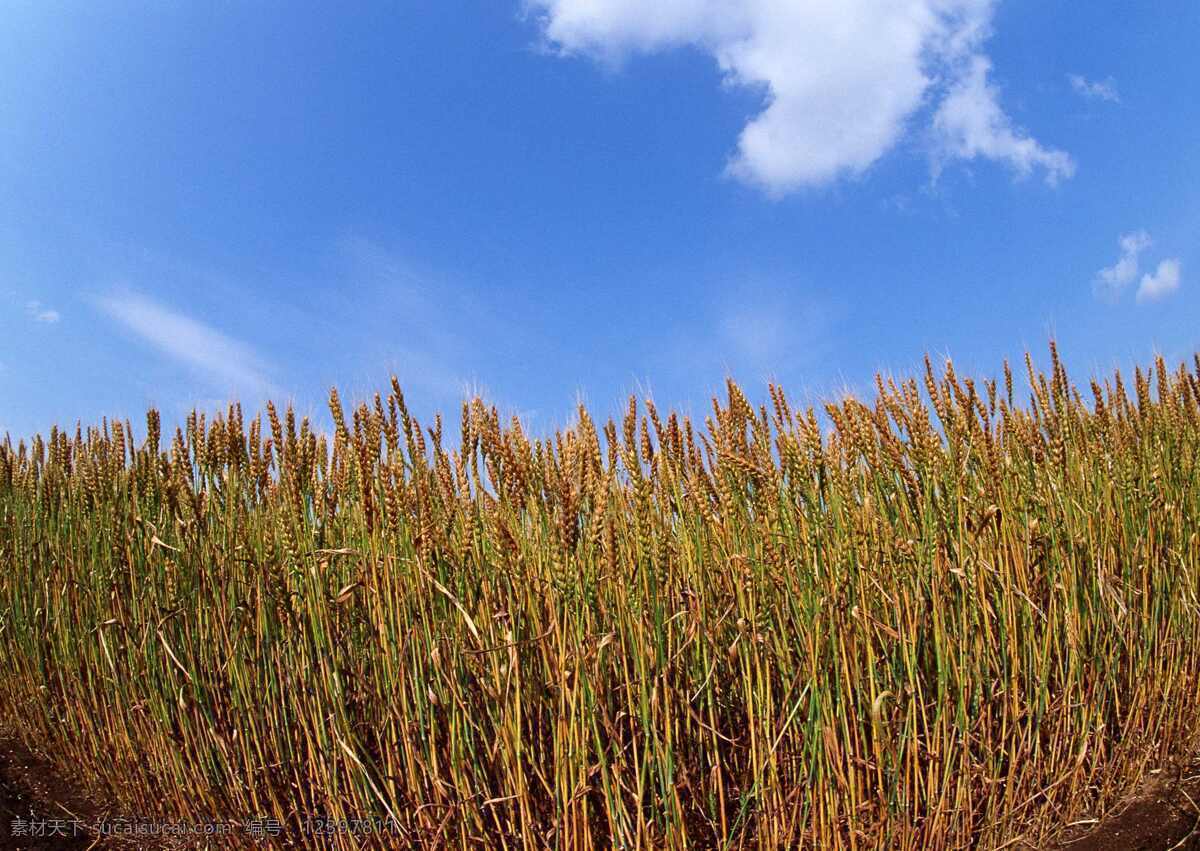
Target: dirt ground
[(39, 809), (1164, 814)]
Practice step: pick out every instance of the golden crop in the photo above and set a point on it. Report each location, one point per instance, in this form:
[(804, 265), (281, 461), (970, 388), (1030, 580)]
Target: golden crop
[(949, 618)]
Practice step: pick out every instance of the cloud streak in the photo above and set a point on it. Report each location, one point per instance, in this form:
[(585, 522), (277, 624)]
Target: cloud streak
[(433, 330), (40, 313), (228, 363), (842, 79), (1095, 89)]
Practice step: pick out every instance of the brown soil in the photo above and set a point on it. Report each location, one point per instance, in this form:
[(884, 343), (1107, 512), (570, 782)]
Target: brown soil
[(1164, 815), (34, 799)]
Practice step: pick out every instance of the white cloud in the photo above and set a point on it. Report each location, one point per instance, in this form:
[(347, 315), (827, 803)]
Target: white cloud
[(1163, 282), (41, 313), (971, 123), (1095, 89), (231, 364), (842, 78), (1111, 280)]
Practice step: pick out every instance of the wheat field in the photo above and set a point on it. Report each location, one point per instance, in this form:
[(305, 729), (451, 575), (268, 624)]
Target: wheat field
[(959, 615)]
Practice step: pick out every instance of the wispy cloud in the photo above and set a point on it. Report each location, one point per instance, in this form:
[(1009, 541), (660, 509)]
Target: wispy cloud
[(228, 363), (970, 124), (1111, 280), (1163, 282), (40, 313), (435, 320), (842, 82), (1095, 89), (759, 329)]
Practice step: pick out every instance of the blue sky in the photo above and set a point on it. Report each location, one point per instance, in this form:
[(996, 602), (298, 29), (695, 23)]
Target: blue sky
[(575, 199)]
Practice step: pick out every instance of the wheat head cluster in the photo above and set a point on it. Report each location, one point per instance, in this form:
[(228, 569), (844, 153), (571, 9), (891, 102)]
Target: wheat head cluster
[(958, 616)]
